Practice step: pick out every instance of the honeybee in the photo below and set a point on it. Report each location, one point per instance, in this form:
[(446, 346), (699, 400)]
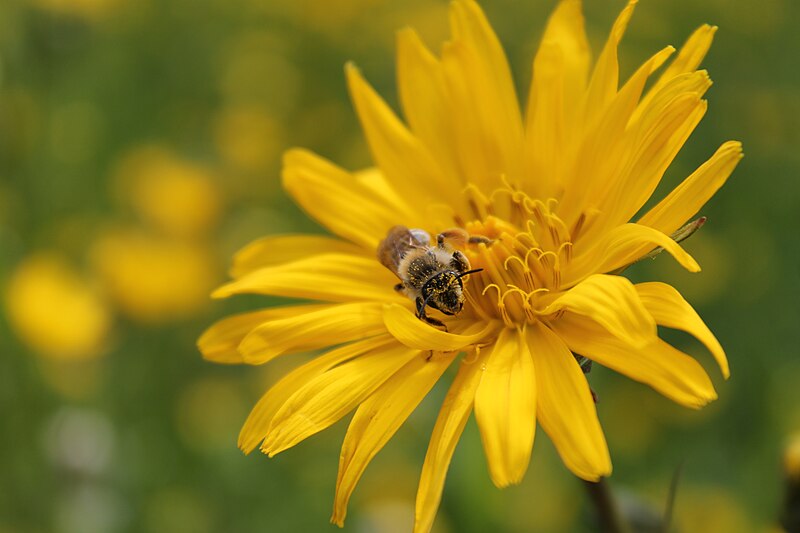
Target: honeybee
[(429, 275)]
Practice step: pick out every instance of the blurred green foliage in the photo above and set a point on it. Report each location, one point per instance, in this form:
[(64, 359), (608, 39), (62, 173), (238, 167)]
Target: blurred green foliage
[(113, 423)]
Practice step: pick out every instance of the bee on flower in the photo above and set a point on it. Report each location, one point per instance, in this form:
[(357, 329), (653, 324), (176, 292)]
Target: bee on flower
[(545, 202)]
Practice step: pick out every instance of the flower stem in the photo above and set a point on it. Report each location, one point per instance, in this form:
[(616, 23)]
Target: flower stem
[(608, 516)]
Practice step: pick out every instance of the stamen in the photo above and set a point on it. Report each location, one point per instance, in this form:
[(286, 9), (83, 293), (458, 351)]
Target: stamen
[(523, 257)]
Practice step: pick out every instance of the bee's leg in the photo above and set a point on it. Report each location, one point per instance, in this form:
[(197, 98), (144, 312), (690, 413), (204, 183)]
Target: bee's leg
[(478, 239), (455, 237), (459, 262), (420, 308), (424, 317)]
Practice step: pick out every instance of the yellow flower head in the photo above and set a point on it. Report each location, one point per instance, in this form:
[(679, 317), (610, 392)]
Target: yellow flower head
[(55, 311), (542, 202)]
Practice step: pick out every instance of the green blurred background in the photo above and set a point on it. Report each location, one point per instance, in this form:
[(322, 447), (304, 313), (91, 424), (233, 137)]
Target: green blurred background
[(140, 145)]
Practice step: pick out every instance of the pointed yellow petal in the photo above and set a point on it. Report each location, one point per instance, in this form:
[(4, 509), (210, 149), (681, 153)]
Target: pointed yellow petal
[(691, 195), (654, 102), (692, 52), (560, 72), (449, 425), (602, 156), (405, 161), (315, 328), (414, 333), (505, 408), (487, 126), (258, 422), (327, 277), (612, 302), (656, 148), (622, 246), (469, 25), (689, 58), (426, 104), (565, 29), (219, 342), (340, 201), (605, 78), (657, 364), (277, 249), (670, 309), (377, 420), (565, 407), (546, 128), (326, 398)]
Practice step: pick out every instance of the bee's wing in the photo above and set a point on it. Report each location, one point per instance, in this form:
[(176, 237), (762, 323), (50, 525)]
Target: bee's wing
[(399, 241)]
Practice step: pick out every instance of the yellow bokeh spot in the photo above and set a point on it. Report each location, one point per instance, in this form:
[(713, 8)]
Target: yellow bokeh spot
[(791, 457), (247, 137), (155, 280), (54, 311), (178, 197)]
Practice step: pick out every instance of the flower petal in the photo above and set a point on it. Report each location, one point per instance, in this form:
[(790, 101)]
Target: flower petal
[(326, 398), (426, 104), (546, 128), (612, 302), (220, 341), (656, 147), (605, 77), (565, 407), (606, 147), (450, 424), (670, 309), (657, 364), (505, 408), (277, 249), (487, 123), (689, 57), (342, 202), (307, 330), (328, 277), (692, 194), (622, 246), (414, 333), (258, 422), (378, 418), (404, 160), (560, 73), (565, 29)]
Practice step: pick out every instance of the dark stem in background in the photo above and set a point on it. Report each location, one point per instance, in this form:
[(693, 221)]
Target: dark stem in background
[(669, 509), (790, 515), (608, 516)]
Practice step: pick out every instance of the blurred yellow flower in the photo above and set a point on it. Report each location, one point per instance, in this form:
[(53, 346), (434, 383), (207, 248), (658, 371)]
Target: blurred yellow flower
[(547, 198), (178, 197), (154, 280), (247, 137), (791, 457), (56, 312)]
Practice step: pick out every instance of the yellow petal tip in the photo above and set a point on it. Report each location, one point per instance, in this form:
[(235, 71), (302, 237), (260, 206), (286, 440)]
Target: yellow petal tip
[(222, 292)]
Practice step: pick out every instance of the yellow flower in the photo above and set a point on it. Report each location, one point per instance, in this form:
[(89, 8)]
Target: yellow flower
[(177, 197), (550, 195), (55, 311), (154, 280)]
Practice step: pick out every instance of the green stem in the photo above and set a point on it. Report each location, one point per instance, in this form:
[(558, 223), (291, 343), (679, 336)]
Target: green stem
[(609, 518)]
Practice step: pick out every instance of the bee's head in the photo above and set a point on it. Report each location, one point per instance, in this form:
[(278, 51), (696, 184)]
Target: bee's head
[(445, 292)]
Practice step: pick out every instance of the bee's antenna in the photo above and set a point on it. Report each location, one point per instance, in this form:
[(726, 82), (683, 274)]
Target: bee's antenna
[(475, 271)]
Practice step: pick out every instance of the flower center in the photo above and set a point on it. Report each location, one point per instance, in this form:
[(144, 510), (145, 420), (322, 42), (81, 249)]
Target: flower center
[(528, 249)]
